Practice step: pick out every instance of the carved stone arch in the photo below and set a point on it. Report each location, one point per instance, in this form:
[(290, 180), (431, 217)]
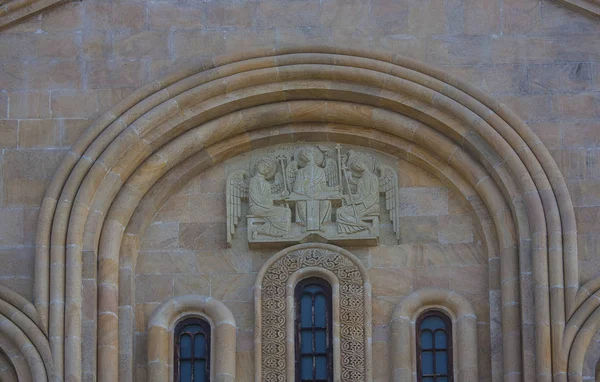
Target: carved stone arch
[(23, 340), (274, 311), (403, 331), (161, 328), (147, 147)]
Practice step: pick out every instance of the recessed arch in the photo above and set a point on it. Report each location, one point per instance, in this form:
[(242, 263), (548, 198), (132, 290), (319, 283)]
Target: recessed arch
[(89, 210)]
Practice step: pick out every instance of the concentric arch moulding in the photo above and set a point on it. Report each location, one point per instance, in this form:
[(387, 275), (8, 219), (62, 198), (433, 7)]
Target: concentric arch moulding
[(312, 192)]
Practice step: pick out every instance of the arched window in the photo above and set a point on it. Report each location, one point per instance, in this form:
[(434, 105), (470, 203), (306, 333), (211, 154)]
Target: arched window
[(192, 351), (434, 347), (314, 341)]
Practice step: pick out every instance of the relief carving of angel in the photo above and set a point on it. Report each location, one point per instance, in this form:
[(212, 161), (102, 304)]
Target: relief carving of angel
[(261, 195)]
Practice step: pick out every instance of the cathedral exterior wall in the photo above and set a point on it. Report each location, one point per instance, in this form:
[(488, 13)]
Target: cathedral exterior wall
[(62, 68)]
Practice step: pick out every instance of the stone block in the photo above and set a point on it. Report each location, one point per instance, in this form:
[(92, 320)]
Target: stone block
[(557, 20), (565, 77), (550, 133), (176, 209), (74, 104), (55, 74), (482, 17), (153, 288), (512, 49), (496, 79), (423, 201), (71, 129), (128, 16), (223, 14), (11, 229), (197, 43), (581, 134), (191, 283), (39, 133), (24, 191), (28, 104), (67, 17), (455, 229), (584, 192), (345, 13), (115, 74), (581, 105), (169, 15), (16, 262), (521, 17), (143, 44), (14, 77), (33, 163), (3, 105), (393, 256), (201, 236), (208, 208), (461, 50), (380, 280), (161, 236), (243, 313), (98, 15), (165, 262), (289, 14), (528, 107), (240, 39), (426, 18), (418, 229), (8, 134), (431, 277), (96, 44), (390, 15), (303, 35), (232, 286)]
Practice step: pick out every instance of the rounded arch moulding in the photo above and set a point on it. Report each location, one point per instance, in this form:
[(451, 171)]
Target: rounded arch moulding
[(130, 160)]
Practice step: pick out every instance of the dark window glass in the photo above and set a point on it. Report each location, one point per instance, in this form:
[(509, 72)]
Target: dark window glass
[(192, 351), (314, 342), (434, 347)]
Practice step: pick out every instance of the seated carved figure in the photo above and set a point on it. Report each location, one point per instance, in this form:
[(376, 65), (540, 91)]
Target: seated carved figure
[(364, 202), (311, 182), (277, 218)]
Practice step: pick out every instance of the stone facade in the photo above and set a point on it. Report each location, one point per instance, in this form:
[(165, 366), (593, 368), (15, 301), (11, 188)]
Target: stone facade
[(121, 120)]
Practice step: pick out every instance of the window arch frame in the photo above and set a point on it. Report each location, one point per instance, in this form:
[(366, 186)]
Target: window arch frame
[(298, 293), (449, 341), (161, 340), (205, 324)]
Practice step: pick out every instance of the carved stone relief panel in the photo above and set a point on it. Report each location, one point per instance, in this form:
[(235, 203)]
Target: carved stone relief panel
[(322, 193)]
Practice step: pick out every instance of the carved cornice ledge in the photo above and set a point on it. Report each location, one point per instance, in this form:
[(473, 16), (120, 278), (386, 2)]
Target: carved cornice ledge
[(591, 7), (15, 10)]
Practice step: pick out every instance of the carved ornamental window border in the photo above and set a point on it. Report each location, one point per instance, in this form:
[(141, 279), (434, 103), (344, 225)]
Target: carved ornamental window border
[(275, 311)]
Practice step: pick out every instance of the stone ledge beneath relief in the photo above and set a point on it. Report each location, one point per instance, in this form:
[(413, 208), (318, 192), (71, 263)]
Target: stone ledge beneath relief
[(329, 234)]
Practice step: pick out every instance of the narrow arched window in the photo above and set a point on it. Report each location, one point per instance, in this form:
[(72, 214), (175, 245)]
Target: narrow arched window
[(434, 347), (314, 341), (192, 351)]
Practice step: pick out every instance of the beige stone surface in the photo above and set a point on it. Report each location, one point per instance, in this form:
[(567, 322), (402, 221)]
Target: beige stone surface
[(60, 69)]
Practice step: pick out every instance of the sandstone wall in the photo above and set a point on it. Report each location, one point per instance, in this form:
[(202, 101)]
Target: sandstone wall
[(61, 69)]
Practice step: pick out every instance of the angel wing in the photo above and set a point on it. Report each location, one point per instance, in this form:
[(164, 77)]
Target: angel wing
[(237, 190), (331, 172), (388, 185), (292, 172), (277, 187)]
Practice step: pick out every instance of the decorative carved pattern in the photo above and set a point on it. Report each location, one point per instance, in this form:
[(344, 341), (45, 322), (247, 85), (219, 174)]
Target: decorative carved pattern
[(352, 312)]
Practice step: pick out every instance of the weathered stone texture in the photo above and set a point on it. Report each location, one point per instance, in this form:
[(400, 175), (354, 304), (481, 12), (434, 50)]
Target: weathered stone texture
[(61, 69)]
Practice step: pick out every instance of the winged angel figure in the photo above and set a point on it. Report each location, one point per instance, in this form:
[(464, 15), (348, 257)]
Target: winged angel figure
[(261, 194), (364, 187)]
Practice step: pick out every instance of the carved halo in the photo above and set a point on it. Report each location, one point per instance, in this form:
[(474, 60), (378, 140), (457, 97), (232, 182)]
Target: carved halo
[(354, 157), (318, 154), (270, 161)]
